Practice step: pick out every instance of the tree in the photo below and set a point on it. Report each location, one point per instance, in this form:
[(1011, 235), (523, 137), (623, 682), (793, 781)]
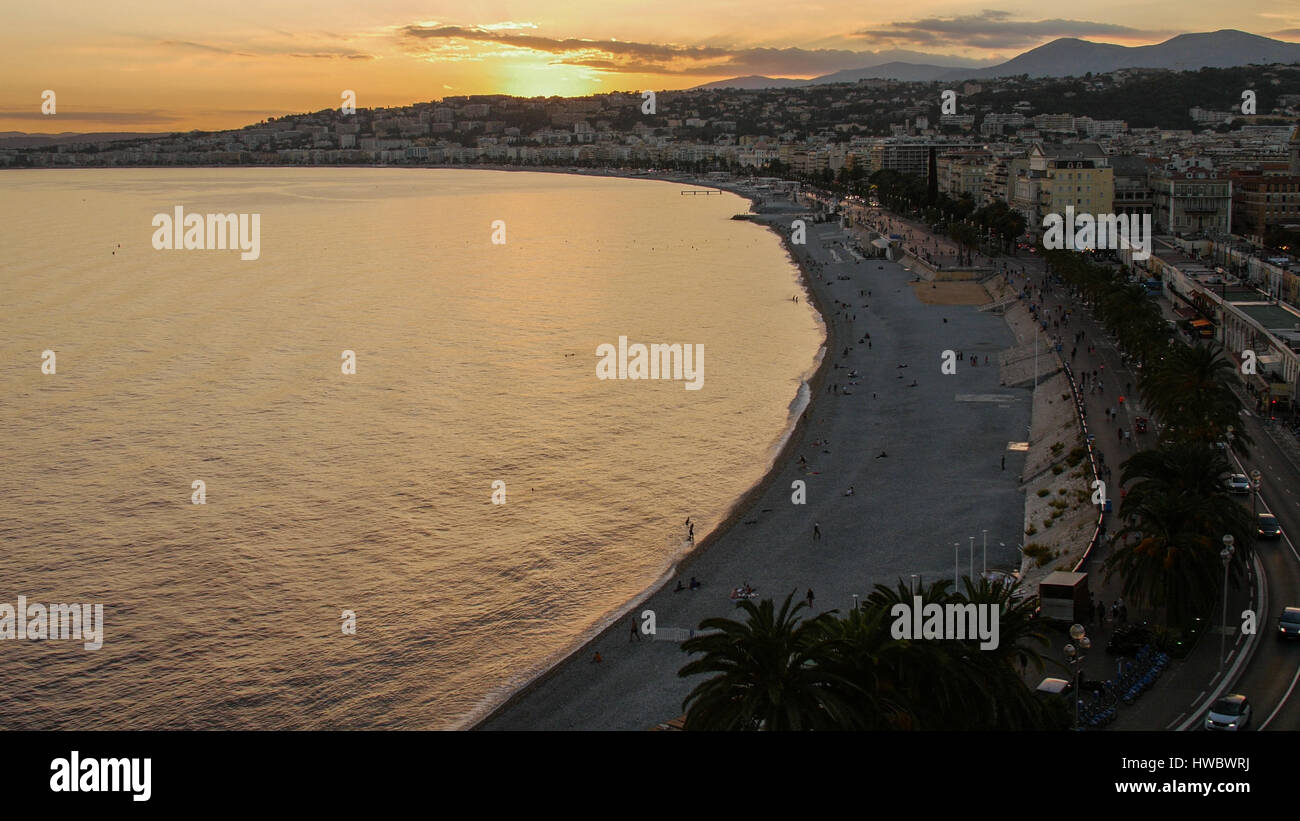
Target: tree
[(1189, 390), (767, 676), (1176, 513)]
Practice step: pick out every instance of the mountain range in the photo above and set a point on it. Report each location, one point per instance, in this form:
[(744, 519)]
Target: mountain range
[(1066, 57)]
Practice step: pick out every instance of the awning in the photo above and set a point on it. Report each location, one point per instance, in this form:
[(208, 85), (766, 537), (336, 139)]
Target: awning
[(880, 243)]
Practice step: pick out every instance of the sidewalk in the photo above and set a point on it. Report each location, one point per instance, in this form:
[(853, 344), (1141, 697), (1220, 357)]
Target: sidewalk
[(1169, 702)]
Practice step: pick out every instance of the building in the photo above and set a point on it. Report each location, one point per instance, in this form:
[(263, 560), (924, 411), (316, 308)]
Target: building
[(1132, 185), (1077, 175), (1193, 200), (961, 173)]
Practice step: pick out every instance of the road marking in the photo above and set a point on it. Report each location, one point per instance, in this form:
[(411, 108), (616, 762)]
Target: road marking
[(1282, 703), (983, 397)]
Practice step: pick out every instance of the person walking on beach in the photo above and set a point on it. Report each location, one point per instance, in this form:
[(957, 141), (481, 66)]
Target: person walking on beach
[(817, 531)]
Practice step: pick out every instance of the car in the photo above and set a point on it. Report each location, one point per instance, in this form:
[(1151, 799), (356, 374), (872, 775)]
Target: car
[(1268, 527), (1231, 712), (1288, 624), (1238, 483)]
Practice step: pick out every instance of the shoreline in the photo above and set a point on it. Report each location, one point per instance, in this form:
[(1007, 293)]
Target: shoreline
[(743, 504)]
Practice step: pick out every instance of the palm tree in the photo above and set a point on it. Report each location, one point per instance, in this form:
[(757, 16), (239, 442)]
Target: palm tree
[(767, 673), (1189, 390), (1176, 513)]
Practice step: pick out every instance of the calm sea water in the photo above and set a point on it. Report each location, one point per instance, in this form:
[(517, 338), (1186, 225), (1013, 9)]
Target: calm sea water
[(370, 492)]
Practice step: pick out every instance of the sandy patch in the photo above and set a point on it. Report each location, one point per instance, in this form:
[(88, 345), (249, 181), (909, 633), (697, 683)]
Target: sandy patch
[(951, 293)]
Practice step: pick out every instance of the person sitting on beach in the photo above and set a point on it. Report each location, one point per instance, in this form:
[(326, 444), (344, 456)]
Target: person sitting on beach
[(680, 587), (694, 584), (882, 455), (849, 492), (596, 659)]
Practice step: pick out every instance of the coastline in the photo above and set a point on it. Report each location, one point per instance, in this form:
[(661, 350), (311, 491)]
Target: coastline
[(784, 457), (931, 480)]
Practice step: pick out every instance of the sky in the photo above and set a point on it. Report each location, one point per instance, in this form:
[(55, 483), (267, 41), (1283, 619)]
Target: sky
[(130, 65)]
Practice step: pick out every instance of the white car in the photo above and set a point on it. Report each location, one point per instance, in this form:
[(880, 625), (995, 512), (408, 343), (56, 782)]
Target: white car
[(1228, 713)]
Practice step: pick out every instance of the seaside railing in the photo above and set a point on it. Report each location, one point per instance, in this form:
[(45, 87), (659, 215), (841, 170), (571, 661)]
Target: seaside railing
[(1088, 439)]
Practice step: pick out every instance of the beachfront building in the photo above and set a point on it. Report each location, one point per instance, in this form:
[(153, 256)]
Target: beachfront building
[(1077, 175), (1242, 317), (961, 173), (1191, 198), (1132, 185)]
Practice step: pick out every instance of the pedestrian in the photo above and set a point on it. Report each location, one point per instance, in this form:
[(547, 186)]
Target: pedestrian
[(1114, 610), (817, 531), (1004, 461), (810, 597), (636, 634), (1123, 612)]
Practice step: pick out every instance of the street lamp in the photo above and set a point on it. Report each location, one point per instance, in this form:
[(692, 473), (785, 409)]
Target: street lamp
[(1226, 555), (986, 549), (956, 559), (1075, 659), (1256, 480)]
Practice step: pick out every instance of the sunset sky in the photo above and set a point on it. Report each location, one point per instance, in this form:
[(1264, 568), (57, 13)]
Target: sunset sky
[(131, 65)]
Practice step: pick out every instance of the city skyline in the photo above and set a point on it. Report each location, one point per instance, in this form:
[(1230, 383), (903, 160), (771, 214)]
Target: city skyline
[(128, 70)]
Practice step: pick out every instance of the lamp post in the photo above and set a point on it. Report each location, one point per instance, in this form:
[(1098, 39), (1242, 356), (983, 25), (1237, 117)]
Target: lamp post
[(1256, 480), (972, 558), (913, 587), (986, 549), (1075, 659), (1226, 555)]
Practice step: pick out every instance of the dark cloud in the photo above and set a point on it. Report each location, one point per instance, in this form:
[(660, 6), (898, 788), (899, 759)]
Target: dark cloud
[(992, 29), (630, 57)]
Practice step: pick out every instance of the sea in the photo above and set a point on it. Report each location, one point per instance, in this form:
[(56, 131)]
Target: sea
[(416, 492)]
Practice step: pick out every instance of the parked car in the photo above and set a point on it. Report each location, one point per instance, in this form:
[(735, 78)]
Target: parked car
[(1228, 713), (1238, 483), (1268, 527), (1288, 624)]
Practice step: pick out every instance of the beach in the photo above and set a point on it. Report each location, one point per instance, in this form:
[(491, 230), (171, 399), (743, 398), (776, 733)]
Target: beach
[(902, 463)]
